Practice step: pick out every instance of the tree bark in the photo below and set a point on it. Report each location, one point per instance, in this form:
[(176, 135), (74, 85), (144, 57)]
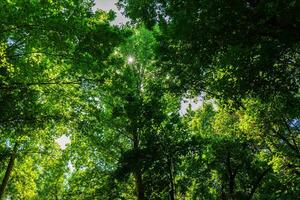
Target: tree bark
[(8, 170), (231, 177), (172, 187), (138, 171)]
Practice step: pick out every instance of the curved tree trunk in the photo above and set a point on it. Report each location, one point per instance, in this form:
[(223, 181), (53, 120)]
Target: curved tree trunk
[(8, 170)]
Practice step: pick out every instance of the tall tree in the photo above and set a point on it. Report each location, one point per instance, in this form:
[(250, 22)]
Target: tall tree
[(44, 52)]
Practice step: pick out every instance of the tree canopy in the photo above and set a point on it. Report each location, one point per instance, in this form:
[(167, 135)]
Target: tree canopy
[(191, 99)]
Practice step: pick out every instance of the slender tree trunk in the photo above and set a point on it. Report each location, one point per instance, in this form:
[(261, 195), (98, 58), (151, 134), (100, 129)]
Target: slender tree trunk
[(8, 170), (172, 189), (231, 177), (139, 185), (138, 172)]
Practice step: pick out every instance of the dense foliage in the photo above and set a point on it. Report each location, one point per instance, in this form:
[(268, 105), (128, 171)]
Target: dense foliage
[(192, 99)]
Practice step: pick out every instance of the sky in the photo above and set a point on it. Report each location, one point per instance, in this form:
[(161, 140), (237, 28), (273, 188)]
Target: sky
[(63, 141), (194, 103), (110, 5)]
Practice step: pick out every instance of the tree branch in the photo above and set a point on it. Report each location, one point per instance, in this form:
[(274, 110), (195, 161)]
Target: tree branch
[(257, 182)]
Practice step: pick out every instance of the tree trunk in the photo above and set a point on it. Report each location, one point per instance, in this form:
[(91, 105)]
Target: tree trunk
[(138, 172), (172, 188), (231, 177), (139, 185), (8, 170)]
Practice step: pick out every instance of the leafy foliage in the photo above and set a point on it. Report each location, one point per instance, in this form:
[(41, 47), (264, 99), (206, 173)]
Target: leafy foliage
[(119, 95)]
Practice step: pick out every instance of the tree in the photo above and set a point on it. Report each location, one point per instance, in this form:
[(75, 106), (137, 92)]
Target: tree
[(237, 52), (41, 44), (118, 94), (229, 163)]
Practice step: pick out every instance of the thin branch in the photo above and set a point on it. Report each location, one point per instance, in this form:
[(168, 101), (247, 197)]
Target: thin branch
[(257, 182), (32, 119), (26, 85), (16, 43), (281, 136), (291, 133)]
